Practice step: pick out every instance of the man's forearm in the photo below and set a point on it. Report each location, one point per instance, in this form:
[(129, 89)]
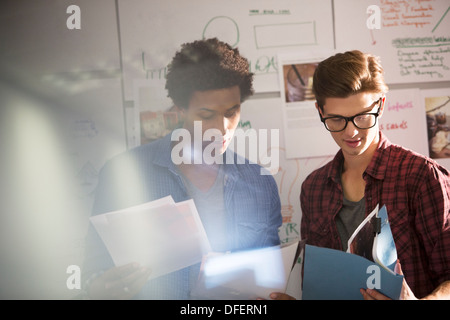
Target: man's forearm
[(442, 292)]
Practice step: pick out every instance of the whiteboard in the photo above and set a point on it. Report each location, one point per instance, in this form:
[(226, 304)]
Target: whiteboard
[(151, 32), (135, 43), (413, 41)]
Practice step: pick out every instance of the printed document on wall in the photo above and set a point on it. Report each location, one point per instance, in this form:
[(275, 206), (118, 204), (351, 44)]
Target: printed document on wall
[(305, 135)]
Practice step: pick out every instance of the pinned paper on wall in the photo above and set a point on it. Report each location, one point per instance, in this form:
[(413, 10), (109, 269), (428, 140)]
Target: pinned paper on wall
[(304, 133), (412, 39), (403, 120), (437, 113)]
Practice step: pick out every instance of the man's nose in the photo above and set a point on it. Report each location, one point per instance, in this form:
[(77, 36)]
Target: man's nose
[(351, 130), (222, 125)]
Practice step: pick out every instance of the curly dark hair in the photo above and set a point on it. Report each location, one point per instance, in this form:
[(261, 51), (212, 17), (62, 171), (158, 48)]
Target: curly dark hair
[(207, 65)]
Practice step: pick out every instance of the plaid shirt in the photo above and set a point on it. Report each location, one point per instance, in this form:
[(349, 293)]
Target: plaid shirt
[(416, 192)]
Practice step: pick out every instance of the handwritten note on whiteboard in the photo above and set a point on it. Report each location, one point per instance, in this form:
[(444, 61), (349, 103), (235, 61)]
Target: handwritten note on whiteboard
[(152, 31), (413, 40), (403, 120)]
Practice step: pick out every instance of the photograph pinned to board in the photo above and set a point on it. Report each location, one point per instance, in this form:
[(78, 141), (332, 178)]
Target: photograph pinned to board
[(298, 81), (304, 133), (437, 108), (154, 112)]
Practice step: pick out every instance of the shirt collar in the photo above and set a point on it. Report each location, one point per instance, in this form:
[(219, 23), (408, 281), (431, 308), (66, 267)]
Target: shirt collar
[(378, 164), (335, 168), (163, 157)]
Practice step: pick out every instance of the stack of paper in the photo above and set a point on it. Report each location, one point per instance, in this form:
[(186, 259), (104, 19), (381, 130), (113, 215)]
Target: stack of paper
[(247, 275), (162, 235)]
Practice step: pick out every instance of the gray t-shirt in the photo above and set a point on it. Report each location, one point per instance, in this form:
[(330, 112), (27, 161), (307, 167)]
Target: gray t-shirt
[(349, 218), (211, 209)]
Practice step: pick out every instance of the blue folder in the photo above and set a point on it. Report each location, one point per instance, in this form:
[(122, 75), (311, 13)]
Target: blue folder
[(336, 275)]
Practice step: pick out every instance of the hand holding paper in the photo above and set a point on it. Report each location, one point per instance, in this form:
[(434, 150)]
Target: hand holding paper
[(162, 235), (247, 275), (165, 236), (122, 282)]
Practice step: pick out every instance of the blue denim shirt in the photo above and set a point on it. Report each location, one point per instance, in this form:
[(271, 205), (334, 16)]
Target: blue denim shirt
[(146, 173)]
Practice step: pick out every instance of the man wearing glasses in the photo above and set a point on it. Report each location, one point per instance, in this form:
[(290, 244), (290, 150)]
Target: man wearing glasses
[(369, 170)]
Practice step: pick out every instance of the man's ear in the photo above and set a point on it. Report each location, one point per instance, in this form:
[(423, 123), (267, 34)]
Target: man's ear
[(180, 111), (319, 109), (383, 100)]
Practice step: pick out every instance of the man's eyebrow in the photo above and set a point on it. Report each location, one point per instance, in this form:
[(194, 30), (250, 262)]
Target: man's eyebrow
[(328, 115), (333, 115), (235, 107), (341, 116), (213, 111)]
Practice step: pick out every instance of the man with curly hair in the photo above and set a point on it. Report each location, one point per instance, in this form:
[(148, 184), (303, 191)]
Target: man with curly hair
[(239, 207)]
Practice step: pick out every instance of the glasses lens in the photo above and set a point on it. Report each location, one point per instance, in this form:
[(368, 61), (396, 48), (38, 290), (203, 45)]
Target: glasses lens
[(365, 121), (335, 124)]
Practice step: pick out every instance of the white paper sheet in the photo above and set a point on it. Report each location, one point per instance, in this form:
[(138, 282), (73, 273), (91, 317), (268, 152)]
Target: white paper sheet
[(162, 235)]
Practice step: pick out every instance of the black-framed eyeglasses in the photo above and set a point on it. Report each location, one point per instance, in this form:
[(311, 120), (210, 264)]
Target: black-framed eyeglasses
[(361, 120)]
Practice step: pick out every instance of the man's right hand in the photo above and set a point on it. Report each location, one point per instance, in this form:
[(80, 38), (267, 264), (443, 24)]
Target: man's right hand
[(122, 282)]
